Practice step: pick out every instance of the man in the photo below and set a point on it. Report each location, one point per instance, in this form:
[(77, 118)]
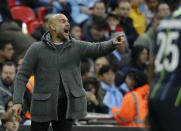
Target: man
[(7, 82), (98, 11), (150, 10), (97, 31), (6, 52), (58, 95), (126, 22), (163, 9), (164, 104)]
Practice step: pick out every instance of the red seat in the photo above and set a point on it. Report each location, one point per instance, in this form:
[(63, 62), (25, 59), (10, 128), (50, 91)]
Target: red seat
[(32, 25), (11, 3), (41, 13), (23, 13)]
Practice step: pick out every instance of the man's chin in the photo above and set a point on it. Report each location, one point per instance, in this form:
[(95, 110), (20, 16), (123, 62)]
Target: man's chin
[(7, 83), (64, 37)]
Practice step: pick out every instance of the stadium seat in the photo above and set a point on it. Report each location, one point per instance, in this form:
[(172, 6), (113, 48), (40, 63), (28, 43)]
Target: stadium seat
[(11, 3), (41, 13), (23, 13), (32, 25)]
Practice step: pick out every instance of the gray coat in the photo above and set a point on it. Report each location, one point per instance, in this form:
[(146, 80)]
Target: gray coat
[(48, 64)]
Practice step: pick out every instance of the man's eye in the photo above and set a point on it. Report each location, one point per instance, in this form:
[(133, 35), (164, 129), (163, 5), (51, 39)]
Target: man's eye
[(62, 21)]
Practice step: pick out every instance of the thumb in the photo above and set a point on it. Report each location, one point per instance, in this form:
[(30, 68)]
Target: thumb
[(14, 110)]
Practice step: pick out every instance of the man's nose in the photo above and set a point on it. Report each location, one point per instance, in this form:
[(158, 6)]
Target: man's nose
[(67, 24)]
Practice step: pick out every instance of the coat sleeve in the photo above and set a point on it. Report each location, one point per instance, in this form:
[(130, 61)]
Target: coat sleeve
[(25, 71), (88, 49), (127, 111)]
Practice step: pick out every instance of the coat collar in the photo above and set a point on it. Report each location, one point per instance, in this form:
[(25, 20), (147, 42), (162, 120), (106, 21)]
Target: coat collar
[(47, 39)]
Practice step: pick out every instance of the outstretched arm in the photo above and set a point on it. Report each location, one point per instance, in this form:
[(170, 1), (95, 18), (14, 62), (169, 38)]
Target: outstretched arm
[(88, 49)]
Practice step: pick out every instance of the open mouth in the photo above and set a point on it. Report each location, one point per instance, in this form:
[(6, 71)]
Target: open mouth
[(66, 31)]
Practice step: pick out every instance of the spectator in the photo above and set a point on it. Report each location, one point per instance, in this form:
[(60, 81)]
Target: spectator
[(139, 21), (98, 63), (139, 59), (98, 11), (7, 107), (139, 56), (97, 32), (134, 108), (109, 94), (114, 28), (148, 39), (126, 22), (150, 11), (6, 52), (76, 32), (91, 85), (8, 104), (7, 82), (163, 9), (128, 82), (10, 31), (10, 122), (174, 4)]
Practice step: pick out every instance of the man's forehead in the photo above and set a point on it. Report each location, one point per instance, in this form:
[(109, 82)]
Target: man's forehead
[(61, 16)]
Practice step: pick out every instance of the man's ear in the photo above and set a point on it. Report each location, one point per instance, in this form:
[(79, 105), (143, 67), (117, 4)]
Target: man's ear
[(52, 27)]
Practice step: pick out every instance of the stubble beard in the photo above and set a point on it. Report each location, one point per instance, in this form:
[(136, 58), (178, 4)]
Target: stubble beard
[(61, 37), (7, 83)]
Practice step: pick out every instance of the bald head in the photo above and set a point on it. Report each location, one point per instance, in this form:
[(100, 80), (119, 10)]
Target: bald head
[(54, 18), (51, 19), (59, 26)]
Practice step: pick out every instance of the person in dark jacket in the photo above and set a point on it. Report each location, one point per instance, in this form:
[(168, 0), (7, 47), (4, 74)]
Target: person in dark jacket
[(10, 31), (58, 96), (126, 22)]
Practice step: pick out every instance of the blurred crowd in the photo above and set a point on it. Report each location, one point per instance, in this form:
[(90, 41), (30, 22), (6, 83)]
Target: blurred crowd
[(108, 80)]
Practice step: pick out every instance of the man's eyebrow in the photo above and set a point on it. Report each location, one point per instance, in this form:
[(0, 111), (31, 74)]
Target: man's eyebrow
[(63, 19)]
